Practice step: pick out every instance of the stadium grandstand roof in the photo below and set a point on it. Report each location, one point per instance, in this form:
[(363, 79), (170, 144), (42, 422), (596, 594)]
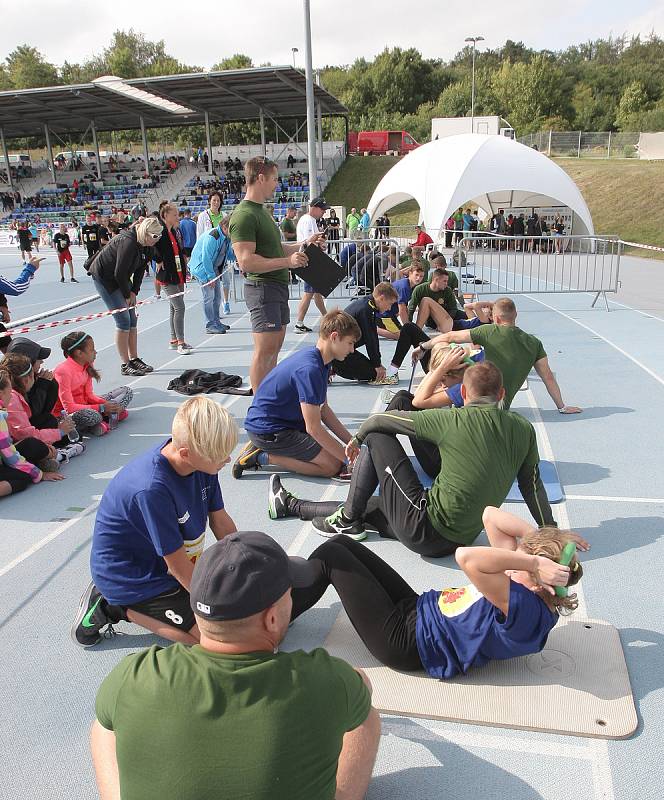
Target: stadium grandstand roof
[(169, 100)]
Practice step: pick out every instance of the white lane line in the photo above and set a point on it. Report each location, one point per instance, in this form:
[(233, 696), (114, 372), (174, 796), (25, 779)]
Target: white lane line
[(604, 499), (600, 764), (51, 536)]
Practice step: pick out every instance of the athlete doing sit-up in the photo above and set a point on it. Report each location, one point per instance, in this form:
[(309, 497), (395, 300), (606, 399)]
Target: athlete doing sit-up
[(507, 610)]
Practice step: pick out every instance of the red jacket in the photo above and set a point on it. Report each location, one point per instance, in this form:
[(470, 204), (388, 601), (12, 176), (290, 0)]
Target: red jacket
[(423, 239)]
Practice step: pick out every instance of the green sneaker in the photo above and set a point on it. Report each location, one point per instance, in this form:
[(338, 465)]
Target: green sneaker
[(278, 499), (91, 618), (338, 523)]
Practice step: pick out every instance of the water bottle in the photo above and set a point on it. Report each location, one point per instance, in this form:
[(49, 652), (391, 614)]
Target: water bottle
[(73, 436), (113, 420)]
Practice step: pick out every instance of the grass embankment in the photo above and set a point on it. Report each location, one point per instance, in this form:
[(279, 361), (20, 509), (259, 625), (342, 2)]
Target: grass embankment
[(625, 197)]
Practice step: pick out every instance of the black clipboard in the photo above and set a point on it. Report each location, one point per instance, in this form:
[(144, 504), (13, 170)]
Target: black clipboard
[(322, 272)]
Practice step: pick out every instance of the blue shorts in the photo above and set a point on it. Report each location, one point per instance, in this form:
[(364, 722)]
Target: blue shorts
[(466, 324), (307, 288), (124, 320)]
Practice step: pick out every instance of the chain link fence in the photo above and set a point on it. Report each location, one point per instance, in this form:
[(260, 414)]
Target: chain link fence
[(584, 144)]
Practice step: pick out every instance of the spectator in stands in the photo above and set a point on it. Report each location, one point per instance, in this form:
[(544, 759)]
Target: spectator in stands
[(265, 260), (231, 687), (17, 469), (90, 412), (352, 222), (188, 231), (17, 287), (290, 161), (92, 234), (308, 226), (209, 260), (422, 237), (60, 447), (171, 274), (150, 528), (61, 242), (117, 273), (289, 423), (512, 350)]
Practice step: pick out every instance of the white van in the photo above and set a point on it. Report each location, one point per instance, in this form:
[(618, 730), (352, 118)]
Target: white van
[(17, 159), (88, 157)]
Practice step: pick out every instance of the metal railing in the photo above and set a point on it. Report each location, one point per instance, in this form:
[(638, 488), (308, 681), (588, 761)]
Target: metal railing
[(584, 144), (491, 264), (362, 273)]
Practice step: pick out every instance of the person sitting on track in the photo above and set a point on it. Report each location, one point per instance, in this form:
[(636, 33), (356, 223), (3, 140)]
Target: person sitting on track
[(234, 717), (507, 610), (512, 350), (482, 449), (289, 423), (44, 393), (150, 528), (435, 303)]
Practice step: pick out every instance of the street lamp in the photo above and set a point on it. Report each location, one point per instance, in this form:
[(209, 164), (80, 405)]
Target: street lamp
[(474, 40), (294, 50)]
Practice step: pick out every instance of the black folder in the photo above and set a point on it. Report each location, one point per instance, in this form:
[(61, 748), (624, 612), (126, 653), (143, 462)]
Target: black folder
[(322, 272)]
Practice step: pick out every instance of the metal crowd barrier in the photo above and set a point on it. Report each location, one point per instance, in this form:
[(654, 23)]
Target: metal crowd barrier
[(491, 264)]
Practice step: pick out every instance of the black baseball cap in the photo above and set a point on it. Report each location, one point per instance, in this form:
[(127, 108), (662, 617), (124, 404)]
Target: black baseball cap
[(319, 202), (242, 574), (26, 347)]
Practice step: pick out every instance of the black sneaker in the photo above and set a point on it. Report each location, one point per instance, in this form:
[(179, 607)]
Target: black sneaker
[(278, 499), (302, 328), (130, 369), (91, 618), (138, 362), (73, 280), (248, 459), (338, 523), (62, 280)]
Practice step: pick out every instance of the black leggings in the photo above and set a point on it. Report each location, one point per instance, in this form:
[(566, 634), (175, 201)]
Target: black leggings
[(426, 453), (409, 336), (33, 451), (355, 367), (399, 512), (379, 603)]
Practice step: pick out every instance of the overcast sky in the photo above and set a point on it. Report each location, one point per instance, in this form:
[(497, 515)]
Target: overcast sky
[(203, 33)]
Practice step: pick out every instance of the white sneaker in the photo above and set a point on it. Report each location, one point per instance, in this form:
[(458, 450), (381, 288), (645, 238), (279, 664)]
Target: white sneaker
[(70, 451), (184, 349)]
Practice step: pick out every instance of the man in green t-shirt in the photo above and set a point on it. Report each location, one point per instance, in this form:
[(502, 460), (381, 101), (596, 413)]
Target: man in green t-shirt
[(265, 261), (434, 302), (482, 450), (234, 717), (512, 350), (288, 227), (352, 222)]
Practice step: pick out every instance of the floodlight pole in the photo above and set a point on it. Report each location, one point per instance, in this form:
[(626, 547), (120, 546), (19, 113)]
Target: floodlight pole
[(5, 153), (49, 152), (208, 138), (146, 154), (95, 143), (474, 40), (311, 123)]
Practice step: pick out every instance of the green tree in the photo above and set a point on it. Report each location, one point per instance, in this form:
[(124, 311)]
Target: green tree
[(633, 100), (237, 61), (27, 69)]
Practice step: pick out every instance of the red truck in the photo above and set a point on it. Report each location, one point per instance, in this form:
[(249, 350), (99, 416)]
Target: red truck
[(378, 143)]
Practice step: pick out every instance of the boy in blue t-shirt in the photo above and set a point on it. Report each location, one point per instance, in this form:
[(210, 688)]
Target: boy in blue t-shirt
[(150, 529), (289, 423)]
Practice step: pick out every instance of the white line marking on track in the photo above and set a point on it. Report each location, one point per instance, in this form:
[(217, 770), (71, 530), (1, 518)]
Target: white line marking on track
[(606, 499)]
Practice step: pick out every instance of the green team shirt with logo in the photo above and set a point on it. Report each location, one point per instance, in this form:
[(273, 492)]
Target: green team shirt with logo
[(482, 449), (512, 350), (289, 229), (444, 297), (251, 222)]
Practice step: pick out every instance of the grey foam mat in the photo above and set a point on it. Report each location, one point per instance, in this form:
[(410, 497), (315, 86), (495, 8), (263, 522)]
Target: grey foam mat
[(578, 685)]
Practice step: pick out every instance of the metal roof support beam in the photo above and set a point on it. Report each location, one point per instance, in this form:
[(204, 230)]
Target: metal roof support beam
[(5, 153), (245, 98), (145, 146), (95, 144), (309, 77), (111, 104), (291, 140), (262, 122), (49, 153), (299, 89), (208, 138)]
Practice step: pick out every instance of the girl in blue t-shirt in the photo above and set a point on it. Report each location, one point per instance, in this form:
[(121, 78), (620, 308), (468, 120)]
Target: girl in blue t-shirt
[(506, 610)]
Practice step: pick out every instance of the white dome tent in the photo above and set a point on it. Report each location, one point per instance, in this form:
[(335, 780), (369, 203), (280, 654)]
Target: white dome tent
[(490, 171)]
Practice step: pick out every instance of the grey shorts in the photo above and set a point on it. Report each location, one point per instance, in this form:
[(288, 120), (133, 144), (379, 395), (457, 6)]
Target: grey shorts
[(267, 302), (290, 444)]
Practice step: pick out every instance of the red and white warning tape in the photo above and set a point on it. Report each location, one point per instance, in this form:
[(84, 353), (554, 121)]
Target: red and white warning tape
[(14, 329), (643, 246)]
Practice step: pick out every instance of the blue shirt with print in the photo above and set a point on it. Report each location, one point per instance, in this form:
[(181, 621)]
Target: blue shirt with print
[(147, 512)]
